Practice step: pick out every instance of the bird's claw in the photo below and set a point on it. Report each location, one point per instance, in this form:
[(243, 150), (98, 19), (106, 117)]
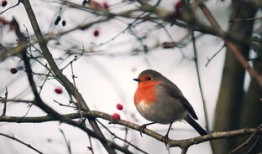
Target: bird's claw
[(141, 129), (165, 139)]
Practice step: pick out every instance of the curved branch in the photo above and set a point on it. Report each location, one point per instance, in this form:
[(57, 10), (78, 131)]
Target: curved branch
[(232, 46), (67, 84), (172, 143)]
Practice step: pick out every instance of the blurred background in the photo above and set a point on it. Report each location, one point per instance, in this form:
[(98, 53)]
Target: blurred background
[(104, 59)]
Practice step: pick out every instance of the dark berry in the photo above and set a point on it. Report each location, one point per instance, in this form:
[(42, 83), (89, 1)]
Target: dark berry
[(58, 90), (84, 2), (4, 3), (63, 23), (13, 70), (105, 5), (57, 20), (179, 5), (96, 33), (168, 45)]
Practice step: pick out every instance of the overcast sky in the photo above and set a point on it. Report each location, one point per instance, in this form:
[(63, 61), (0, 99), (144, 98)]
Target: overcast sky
[(104, 78)]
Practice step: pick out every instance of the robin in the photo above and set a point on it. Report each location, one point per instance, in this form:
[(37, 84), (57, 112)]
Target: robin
[(159, 100)]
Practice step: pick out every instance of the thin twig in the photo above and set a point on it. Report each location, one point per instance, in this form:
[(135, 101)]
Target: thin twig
[(124, 140), (199, 81), (3, 100), (17, 101), (247, 19), (66, 83), (232, 46), (18, 2), (214, 55), (253, 145), (48, 109), (248, 140), (64, 105), (22, 142), (68, 146), (91, 145), (74, 83)]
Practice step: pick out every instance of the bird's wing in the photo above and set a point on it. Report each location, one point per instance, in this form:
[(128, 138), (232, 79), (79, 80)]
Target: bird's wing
[(169, 86)]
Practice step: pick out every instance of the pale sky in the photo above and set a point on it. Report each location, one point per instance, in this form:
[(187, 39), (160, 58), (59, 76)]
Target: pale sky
[(106, 80)]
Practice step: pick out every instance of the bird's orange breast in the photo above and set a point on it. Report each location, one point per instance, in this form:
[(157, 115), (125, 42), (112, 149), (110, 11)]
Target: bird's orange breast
[(146, 92)]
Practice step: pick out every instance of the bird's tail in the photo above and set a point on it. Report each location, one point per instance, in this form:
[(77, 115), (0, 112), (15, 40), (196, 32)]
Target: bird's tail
[(195, 125)]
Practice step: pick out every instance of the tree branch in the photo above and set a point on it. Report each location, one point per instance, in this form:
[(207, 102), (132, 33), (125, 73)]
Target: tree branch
[(172, 143), (67, 84), (22, 142), (199, 81), (232, 46), (110, 146), (248, 140), (4, 100)]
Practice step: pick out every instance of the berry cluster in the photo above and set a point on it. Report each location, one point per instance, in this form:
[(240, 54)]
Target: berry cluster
[(58, 19), (116, 116)]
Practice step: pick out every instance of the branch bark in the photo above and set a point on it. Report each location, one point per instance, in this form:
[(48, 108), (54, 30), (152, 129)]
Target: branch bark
[(128, 124), (67, 84), (231, 91)]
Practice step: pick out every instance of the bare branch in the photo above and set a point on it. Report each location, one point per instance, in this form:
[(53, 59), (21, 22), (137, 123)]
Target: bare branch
[(232, 46), (199, 81), (48, 109), (248, 140), (105, 116), (68, 146), (4, 100), (67, 84), (22, 142)]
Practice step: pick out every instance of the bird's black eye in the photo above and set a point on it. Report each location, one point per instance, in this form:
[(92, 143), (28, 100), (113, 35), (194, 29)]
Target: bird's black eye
[(149, 78)]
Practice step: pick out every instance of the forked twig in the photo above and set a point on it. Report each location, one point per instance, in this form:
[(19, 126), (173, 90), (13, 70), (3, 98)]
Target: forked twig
[(245, 143)]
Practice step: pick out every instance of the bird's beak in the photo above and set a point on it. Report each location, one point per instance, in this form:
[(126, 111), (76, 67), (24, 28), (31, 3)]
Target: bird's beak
[(136, 80)]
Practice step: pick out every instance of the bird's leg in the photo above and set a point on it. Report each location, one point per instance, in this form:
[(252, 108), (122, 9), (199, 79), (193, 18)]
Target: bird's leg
[(165, 138), (141, 128)]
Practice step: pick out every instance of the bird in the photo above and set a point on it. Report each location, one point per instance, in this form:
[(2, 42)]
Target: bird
[(159, 100)]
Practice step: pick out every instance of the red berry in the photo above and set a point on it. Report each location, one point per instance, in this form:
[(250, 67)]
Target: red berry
[(105, 5), (119, 106), (179, 5), (96, 5), (96, 33), (3, 21), (115, 116), (58, 90), (13, 70), (4, 3)]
